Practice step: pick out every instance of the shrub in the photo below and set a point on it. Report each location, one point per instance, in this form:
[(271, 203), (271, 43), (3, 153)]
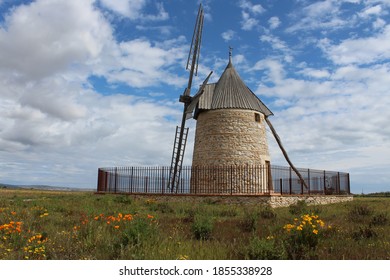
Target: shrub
[(303, 236), (250, 221), (230, 212), (123, 199), (298, 208), (379, 220), (263, 249), (202, 227), (164, 207), (267, 213), (140, 230), (364, 233), (358, 212)]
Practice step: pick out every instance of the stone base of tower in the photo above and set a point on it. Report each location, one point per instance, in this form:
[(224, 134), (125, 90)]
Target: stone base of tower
[(234, 180), (230, 153)]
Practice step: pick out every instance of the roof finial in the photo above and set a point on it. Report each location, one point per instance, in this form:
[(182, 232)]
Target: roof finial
[(230, 54)]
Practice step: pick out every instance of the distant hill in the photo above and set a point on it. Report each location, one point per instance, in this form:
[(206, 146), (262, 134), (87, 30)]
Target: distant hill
[(41, 187)]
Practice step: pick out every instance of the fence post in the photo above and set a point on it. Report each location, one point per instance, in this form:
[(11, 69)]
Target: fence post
[(308, 181), (338, 183), (131, 179), (162, 180), (99, 182), (115, 179), (290, 182), (348, 186), (324, 182), (281, 186), (301, 186)]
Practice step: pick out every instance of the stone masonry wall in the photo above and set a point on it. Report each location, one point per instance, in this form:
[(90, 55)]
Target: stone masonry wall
[(230, 137), (266, 200)]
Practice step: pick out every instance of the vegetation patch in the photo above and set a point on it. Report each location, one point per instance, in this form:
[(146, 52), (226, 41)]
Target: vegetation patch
[(80, 225)]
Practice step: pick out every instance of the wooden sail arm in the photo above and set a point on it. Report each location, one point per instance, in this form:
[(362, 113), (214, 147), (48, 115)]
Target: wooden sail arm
[(284, 152)]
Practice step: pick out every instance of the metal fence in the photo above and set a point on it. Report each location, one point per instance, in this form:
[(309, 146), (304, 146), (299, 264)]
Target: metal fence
[(222, 180)]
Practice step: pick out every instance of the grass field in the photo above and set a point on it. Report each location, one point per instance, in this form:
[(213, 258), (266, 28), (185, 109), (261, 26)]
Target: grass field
[(79, 225)]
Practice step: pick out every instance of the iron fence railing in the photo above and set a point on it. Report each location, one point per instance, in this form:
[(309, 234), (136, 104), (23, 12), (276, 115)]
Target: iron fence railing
[(222, 180)]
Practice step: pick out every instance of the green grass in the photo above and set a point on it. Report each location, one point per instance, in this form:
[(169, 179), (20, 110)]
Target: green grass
[(79, 225)]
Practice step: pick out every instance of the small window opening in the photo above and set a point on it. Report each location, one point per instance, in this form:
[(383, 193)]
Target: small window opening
[(257, 117)]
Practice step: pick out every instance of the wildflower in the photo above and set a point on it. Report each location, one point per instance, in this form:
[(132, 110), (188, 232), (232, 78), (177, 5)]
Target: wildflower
[(300, 227), (315, 231), (128, 217), (13, 213), (116, 227), (150, 216), (183, 257)]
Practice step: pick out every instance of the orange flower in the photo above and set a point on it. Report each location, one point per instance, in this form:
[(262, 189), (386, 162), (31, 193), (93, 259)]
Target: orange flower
[(128, 217), (116, 227), (150, 216)]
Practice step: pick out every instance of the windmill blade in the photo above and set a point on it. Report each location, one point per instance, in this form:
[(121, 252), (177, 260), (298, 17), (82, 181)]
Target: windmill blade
[(196, 41), (181, 131), (284, 151), (196, 97), (193, 56)]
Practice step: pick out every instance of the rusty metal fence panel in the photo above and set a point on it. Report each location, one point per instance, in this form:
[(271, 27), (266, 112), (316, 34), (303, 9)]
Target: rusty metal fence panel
[(222, 180)]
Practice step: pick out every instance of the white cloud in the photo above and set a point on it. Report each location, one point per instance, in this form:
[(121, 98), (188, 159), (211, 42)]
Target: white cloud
[(315, 73), (274, 22), (254, 9), (337, 122), (275, 42), (48, 37), (134, 9), (54, 129), (228, 35), (361, 50), (378, 23), (248, 12), (141, 63), (325, 15), (371, 11), (248, 22)]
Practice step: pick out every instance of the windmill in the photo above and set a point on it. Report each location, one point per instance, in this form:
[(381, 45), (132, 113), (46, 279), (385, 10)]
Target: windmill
[(182, 131)]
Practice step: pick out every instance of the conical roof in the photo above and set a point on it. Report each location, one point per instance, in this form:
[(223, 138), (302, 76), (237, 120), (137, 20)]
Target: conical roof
[(230, 92)]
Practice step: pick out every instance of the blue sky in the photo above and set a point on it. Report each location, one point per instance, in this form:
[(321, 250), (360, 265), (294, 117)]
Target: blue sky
[(93, 83)]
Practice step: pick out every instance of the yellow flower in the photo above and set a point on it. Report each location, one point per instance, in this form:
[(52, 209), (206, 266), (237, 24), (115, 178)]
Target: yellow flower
[(299, 227), (315, 231), (183, 257)]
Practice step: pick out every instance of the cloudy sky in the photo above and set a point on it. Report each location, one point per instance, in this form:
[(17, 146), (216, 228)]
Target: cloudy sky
[(95, 83)]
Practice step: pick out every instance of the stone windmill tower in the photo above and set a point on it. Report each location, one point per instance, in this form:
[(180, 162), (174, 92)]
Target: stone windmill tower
[(230, 132)]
